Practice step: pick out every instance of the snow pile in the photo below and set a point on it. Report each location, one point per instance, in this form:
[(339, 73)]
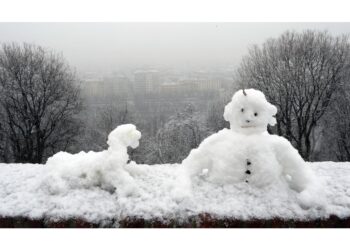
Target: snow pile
[(95, 169)]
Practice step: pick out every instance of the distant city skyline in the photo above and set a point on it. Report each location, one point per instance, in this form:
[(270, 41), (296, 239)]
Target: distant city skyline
[(155, 82), (111, 46)]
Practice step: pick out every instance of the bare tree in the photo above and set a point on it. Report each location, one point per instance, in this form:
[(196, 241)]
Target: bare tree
[(112, 116), (39, 102), (299, 73), (4, 140), (98, 122), (343, 132), (337, 127)]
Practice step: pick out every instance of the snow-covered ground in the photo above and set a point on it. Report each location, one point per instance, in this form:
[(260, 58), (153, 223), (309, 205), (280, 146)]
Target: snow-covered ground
[(24, 192)]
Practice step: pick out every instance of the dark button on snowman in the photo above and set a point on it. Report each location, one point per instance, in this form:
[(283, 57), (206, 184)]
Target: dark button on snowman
[(248, 172), (266, 158)]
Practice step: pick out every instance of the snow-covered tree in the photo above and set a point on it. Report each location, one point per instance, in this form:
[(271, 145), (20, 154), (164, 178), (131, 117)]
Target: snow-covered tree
[(215, 120), (336, 128), (99, 122), (112, 116), (39, 101), (299, 73), (183, 132)]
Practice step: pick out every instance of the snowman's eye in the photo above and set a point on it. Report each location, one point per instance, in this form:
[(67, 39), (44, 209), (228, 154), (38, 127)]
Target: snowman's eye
[(255, 114), (242, 110)]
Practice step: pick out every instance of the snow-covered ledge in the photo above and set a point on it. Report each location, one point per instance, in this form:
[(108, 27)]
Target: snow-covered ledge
[(241, 176), (23, 196)]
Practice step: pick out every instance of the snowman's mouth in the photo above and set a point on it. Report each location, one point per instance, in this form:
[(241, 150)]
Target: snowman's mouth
[(248, 126)]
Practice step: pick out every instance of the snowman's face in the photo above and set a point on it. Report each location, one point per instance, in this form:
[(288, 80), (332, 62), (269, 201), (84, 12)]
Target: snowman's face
[(250, 112)]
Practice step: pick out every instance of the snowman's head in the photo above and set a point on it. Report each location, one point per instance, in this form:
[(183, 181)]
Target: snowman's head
[(249, 112)]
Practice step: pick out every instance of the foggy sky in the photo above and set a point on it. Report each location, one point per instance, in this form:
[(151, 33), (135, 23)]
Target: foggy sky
[(109, 46)]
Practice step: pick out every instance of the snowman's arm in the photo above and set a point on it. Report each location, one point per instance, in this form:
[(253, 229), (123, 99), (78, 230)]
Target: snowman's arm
[(293, 165), (197, 161), (202, 157)]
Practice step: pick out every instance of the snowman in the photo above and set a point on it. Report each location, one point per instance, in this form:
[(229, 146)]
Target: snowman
[(247, 153)]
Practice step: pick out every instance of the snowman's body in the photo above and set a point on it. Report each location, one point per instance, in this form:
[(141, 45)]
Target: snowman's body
[(243, 158), (246, 152)]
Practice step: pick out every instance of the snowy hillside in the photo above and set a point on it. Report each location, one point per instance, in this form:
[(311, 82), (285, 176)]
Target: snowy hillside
[(23, 192)]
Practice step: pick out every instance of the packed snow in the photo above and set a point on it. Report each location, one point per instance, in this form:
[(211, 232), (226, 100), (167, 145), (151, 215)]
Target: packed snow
[(242, 172), (101, 169), (22, 193)]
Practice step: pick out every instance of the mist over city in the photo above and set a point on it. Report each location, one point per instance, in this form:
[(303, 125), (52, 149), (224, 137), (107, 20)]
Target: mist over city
[(172, 80)]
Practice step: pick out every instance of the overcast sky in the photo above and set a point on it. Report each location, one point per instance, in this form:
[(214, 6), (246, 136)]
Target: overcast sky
[(110, 46)]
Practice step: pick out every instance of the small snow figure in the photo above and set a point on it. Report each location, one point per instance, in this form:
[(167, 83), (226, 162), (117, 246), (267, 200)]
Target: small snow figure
[(104, 169), (246, 152)]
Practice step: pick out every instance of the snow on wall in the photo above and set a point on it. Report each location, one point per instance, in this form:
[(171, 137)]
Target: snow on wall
[(22, 194)]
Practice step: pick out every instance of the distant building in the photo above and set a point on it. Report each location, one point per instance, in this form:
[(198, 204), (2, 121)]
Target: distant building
[(169, 87), (208, 84), (146, 81), (189, 86), (117, 85), (202, 83), (112, 88), (92, 87)]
